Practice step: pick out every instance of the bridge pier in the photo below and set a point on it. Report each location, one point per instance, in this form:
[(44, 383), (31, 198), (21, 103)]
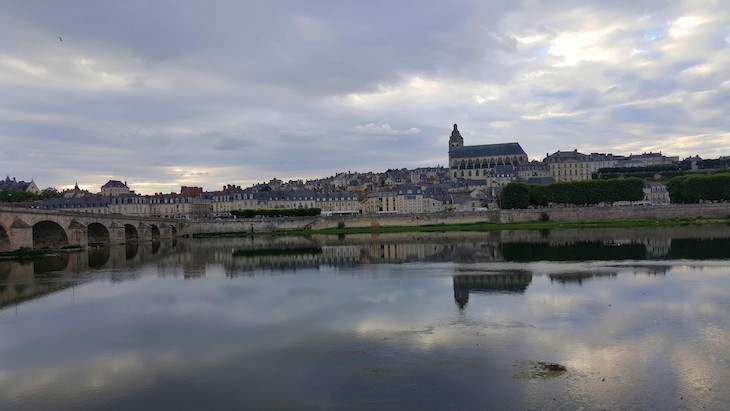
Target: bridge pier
[(116, 233), (20, 235), (78, 234), (144, 232), (166, 232)]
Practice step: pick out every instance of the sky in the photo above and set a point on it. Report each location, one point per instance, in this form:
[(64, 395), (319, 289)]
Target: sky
[(168, 93)]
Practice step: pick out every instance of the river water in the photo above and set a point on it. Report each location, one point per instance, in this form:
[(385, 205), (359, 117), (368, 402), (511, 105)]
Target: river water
[(560, 319)]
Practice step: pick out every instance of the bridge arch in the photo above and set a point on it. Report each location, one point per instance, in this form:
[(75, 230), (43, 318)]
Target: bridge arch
[(4, 240), (98, 234), (130, 233), (49, 234)]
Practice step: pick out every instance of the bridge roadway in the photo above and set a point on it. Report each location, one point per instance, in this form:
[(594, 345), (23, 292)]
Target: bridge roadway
[(31, 228)]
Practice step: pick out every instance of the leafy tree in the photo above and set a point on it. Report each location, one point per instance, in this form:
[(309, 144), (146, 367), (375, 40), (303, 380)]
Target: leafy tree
[(7, 196), (514, 195), (695, 188), (539, 195), (519, 195), (50, 192)]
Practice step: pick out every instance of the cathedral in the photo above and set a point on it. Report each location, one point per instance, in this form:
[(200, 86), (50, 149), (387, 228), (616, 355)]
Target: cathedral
[(480, 162)]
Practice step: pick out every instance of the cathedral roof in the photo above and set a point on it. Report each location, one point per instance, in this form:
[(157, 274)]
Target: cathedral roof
[(487, 150)]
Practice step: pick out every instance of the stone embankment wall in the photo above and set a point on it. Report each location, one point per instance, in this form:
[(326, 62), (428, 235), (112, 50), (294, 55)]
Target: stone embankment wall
[(503, 216)]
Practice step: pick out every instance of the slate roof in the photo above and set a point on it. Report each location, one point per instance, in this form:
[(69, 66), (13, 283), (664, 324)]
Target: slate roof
[(507, 170), (487, 150), (115, 183), (403, 190), (544, 181), (12, 185)]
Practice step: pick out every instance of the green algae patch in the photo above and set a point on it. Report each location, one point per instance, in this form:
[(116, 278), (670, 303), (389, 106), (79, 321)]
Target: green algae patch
[(538, 370)]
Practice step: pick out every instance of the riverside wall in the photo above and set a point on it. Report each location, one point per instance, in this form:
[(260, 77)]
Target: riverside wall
[(579, 214)]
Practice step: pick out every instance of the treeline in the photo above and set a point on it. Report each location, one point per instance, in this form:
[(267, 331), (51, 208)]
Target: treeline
[(8, 196), (694, 188), (293, 212), (521, 195), (667, 171), (654, 169)]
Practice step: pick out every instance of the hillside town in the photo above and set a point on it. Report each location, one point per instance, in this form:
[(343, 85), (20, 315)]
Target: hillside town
[(473, 180)]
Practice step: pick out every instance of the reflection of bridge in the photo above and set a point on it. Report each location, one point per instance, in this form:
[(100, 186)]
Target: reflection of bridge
[(34, 278), (41, 228)]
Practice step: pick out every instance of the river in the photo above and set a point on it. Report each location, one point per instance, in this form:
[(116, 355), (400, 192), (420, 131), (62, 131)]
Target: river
[(610, 319)]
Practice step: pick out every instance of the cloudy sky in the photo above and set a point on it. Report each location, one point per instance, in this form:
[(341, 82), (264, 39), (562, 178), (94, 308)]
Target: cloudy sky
[(168, 93)]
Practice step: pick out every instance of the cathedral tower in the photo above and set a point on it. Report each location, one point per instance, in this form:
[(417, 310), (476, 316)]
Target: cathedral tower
[(456, 139)]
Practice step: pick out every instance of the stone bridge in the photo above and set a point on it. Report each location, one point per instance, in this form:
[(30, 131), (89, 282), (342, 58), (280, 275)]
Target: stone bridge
[(21, 227)]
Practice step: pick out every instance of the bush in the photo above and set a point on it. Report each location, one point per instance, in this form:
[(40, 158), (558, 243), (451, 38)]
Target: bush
[(544, 217), (294, 212), (340, 224)]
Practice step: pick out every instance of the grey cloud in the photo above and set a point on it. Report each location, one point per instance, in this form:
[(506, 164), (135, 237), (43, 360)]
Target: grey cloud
[(256, 90)]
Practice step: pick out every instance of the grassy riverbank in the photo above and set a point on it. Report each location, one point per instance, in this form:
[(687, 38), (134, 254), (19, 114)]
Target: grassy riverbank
[(484, 227), (26, 253)]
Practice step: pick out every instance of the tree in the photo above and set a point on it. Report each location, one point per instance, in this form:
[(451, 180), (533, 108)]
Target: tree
[(695, 188), (514, 195), (49, 192)]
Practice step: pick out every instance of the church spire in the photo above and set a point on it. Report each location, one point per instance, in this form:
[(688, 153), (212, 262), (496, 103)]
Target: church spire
[(456, 139)]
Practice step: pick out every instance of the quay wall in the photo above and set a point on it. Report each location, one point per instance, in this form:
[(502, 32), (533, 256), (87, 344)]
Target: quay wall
[(495, 216)]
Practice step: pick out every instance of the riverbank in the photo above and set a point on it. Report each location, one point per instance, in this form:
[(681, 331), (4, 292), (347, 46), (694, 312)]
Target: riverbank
[(557, 217), (27, 253), (480, 227)]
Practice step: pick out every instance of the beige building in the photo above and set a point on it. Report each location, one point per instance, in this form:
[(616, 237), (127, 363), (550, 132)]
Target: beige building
[(597, 161), (341, 202), (114, 188), (409, 200), (569, 166), (656, 193), (381, 202), (129, 204), (533, 169)]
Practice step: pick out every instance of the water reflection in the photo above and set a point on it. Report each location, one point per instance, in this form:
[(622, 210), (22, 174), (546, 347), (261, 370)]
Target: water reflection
[(416, 321), (28, 279), (500, 283)]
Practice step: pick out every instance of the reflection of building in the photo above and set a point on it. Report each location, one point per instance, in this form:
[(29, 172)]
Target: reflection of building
[(510, 283), (657, 247), (578, 277), (651, 270)]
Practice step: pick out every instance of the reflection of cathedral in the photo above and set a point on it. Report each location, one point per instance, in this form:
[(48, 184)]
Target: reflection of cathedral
[(509, 283)]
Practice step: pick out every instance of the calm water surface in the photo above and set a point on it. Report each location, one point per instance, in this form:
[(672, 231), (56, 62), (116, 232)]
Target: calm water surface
[(640, 319)]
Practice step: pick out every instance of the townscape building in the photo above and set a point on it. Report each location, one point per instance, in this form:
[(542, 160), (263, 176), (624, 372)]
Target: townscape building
[(14, 185), (472, 181)]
